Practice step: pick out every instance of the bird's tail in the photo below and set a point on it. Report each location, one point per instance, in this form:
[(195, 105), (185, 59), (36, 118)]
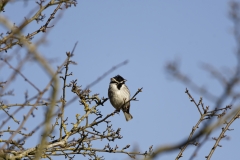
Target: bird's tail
[(128, 116)]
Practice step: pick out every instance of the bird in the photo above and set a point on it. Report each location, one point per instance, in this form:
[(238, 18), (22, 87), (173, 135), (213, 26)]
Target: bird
[(119, 95)]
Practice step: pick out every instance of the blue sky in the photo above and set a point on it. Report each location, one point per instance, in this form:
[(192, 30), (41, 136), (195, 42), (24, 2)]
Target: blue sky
[(148, 34)]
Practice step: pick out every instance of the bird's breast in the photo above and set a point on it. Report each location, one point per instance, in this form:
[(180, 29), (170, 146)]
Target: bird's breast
[(118, 96)]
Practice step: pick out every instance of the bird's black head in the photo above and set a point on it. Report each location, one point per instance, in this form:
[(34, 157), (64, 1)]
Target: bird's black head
[(119, 78)]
